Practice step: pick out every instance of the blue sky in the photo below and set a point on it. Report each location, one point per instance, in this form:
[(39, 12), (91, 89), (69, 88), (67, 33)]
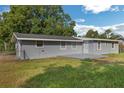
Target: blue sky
[(97, 17)]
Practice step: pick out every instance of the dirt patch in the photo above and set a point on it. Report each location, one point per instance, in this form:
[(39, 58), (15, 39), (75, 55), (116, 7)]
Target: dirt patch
[(7, 58)]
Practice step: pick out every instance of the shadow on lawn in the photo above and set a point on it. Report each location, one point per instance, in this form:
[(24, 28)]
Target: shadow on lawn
[(87, 75)]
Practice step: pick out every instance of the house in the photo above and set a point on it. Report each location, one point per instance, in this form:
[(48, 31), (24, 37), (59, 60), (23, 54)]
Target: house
[(34, 46)]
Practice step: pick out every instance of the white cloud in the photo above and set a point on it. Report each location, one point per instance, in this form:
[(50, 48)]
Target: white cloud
[(115, 9), (4, 9), (80, 20), (82, 29), (101, 8), (97, 8)]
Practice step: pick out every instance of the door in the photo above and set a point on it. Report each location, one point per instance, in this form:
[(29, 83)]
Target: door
[(85, 47)]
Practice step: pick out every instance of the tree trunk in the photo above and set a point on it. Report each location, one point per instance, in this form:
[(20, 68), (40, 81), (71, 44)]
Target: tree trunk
[(5, 46)]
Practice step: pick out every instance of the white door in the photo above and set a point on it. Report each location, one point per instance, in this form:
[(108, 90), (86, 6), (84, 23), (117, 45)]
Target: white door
[(85, 47)]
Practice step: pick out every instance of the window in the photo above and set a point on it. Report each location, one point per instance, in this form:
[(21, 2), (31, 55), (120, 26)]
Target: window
[(40, 44), (63, 45), (98, 46), (112, 45), (73, 44)]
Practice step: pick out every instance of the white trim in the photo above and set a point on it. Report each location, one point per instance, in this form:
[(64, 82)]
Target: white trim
[(62, 47), (72, 45), (97, 39), (38, 46), (47, 39), (98, 45), (15, 35)]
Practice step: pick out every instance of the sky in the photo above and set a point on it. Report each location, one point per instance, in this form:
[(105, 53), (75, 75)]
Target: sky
[(97, 17)]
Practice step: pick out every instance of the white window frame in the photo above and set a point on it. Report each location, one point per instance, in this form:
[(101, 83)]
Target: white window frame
[(61, 45), (72, 45), (39, 46), (98, 48), (113, 45)]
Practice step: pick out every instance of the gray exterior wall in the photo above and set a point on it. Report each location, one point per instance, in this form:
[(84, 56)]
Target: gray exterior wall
[(28, 50), (106, 47), (50, 49)]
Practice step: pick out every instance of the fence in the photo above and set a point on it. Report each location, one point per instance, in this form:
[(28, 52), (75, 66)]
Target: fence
[(10, 48)]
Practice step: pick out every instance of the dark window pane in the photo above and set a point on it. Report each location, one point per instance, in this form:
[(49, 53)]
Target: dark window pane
[(39, 43), (112, 45), (62, 44)]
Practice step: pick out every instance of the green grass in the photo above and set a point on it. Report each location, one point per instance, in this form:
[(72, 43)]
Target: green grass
[(86, 75), (15, 73), (63, 72), (113, 58)]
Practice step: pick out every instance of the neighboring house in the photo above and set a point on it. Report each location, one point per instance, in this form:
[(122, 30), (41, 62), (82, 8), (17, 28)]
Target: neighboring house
[(34, 46)]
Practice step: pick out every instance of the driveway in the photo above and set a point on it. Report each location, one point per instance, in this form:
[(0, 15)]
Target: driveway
[(83, 56)]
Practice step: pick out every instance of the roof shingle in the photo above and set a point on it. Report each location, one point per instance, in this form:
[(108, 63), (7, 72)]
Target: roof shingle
[(38, 36)]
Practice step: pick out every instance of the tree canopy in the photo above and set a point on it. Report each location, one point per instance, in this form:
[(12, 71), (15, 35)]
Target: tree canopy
[(108, 34), (37, 19), (92, 34), (49, 20)]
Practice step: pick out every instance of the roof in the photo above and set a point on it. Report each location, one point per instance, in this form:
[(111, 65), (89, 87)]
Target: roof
[(97, 39), (22, 36)]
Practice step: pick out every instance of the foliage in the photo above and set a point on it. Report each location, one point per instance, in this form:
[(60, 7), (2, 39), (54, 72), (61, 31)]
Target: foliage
[(92, 34), (1, 46), (49, 20), (108, 34)]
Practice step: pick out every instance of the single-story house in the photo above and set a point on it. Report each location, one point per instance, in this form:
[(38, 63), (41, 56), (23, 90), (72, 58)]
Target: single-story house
[(34, 46)]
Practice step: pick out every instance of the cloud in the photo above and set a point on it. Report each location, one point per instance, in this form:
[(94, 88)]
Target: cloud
[(80, 20), (115, 9), (97, 8), (4, 9), (82, 29)]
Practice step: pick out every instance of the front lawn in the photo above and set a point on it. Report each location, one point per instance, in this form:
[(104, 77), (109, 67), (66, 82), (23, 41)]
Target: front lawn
[(63, 72), (14, 73), (113, 58)]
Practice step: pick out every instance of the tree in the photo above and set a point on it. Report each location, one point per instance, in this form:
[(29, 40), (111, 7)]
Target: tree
[(115, 36), (92, 34), (49, 20), (103, 36), (108, 34)]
